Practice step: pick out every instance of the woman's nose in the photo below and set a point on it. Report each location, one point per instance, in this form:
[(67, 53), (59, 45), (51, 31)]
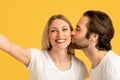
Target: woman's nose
[(60, 33)]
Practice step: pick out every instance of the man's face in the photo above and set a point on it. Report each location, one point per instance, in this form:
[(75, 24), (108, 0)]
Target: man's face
[(79, 40)]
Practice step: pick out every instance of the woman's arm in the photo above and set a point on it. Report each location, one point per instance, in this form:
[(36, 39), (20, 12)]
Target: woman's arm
[(21, 54)]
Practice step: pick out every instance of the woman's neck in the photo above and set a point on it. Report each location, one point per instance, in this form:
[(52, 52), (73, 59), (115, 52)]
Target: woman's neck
[(60, 58), (59, 55)]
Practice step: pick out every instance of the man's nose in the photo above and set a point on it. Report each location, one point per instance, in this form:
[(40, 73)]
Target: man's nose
[(73, 33)]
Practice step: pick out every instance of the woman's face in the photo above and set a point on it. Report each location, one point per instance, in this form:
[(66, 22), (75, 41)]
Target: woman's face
[(59, 34)]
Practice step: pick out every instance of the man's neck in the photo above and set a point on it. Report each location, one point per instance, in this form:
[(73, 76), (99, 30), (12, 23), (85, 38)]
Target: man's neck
[(95, 56)]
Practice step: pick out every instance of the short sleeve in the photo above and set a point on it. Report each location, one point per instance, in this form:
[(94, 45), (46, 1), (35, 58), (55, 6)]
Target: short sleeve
[(34, 54)]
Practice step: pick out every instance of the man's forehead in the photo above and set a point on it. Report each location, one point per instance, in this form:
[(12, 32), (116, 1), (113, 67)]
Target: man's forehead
[(84, 19)]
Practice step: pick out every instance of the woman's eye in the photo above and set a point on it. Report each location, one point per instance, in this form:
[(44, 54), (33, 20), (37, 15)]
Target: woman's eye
[(53, 31), (65, 29)]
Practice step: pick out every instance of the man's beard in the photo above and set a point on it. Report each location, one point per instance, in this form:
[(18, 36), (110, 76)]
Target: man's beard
[(78, 46)]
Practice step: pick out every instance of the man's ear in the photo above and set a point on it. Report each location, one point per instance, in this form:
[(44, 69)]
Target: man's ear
[(94, 37)]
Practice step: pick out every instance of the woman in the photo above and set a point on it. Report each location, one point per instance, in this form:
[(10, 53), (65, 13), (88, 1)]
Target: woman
[(56, 60)]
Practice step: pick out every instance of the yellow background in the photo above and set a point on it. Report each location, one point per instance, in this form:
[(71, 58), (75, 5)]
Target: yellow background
[(23, 21)]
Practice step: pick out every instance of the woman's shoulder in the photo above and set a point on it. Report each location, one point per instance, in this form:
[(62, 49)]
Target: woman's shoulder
[(80, 66), (77, 60), (36, 51)]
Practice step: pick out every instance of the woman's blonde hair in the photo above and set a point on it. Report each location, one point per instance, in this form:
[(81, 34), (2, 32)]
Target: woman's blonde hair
[(46, 45)]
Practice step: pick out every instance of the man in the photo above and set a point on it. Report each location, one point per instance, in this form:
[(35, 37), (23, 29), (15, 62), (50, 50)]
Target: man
[(92, 35)]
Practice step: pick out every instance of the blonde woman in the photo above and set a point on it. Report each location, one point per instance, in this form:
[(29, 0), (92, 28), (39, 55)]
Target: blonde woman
[(56, 60)]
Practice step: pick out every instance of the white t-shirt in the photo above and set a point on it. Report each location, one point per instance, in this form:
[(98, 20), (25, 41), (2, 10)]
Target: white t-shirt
[(41, 67), (108, 68)]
